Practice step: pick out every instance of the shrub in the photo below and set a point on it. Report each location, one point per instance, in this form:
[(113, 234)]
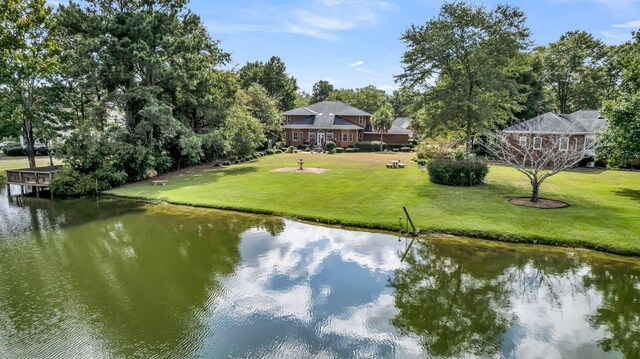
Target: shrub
[(443, 146), (451, 172), (226, 163), (396, 150), (370, 146), (291, 149), (278, 151), (404, 149), (330, 146), (339, 149), (14, 150), (3, 178), (351, 149), (421, 162), (270, 152)]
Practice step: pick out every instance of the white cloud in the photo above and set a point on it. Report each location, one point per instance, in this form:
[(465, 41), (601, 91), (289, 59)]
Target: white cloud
[(357, 63), (629, 25), (322, 19)]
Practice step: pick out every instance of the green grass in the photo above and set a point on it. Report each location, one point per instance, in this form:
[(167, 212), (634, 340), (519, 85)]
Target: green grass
[(358, 190), (11, 163)]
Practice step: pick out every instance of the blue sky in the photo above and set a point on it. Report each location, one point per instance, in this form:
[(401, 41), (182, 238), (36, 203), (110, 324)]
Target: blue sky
[(354, 43)]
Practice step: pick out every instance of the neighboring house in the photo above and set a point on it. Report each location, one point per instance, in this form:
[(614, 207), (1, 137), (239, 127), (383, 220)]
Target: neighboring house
[(398, 134), (338, 122), (579, 128)]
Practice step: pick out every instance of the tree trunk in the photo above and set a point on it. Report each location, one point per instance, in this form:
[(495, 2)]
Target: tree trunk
[(381, 147), (50, 155), (27, 134), (467, 154), (534, 191)]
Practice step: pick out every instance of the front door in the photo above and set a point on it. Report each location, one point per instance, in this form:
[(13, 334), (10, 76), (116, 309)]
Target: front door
[(321, 138)]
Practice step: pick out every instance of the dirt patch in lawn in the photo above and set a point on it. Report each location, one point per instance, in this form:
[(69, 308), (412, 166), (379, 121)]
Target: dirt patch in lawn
[(298, 170), (542, 203)]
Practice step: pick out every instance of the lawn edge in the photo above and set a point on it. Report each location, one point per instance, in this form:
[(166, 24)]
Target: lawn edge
[(470, 233)]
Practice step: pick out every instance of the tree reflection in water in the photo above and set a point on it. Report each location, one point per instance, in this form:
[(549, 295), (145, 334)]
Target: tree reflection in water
[(454, 312), (481, 299)]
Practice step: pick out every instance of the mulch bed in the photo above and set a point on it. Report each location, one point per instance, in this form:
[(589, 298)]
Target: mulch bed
[(542, 203), (298, 170)]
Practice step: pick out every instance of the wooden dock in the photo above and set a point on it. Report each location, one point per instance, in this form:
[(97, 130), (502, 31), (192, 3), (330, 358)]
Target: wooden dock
[(37, 179)]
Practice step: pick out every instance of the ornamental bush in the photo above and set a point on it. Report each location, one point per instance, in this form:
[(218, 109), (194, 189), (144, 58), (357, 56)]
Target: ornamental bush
[(291, 149), (452, 172), (339, 149), (351, 150), (269, 152), (330, 146), (405, 149)]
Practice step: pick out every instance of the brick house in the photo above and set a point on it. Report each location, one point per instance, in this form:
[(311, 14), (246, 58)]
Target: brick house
[(338, 122), (575, 131)]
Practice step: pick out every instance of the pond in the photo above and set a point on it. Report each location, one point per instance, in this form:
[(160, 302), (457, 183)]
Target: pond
[(113, 278)]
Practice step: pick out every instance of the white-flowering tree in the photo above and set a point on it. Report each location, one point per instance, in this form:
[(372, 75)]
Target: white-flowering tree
[(538, 155)]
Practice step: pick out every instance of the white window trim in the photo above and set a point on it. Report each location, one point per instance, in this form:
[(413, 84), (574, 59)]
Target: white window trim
[(566, 148), (288, 119), (360, 120), (345, 137), (522, 139), (295, 137), (350, 136), (314, 136), (360, 135), (329, 135), (534, 143)]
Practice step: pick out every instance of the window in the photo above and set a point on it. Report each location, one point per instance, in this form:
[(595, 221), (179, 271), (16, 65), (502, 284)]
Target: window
[(360, 120), (360, 135), (537, 143), (287, 118), (345, 137), (351, 137), (301, 136), (564, 144), (588, 142), (522, 141), (312, 137), (329, 135), (295, 136)]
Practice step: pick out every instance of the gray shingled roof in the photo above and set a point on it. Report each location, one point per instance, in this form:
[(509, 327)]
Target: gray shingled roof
[(325, 115), (551, 122), (400, 126), (326, 107)]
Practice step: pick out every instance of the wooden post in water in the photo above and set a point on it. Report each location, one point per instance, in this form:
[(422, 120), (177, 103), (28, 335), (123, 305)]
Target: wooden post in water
[(409, 219)]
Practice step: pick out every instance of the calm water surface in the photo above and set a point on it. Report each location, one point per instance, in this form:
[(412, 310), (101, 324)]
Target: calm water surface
[(112, 278)]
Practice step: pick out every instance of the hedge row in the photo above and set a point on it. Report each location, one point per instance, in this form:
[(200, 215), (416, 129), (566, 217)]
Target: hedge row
[(451, 172)]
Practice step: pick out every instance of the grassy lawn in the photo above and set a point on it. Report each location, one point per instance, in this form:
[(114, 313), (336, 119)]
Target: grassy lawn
[(359, 190), (10, 163)]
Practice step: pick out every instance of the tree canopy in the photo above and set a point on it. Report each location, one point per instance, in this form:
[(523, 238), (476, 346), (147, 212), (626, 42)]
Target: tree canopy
[(321, 90), (466, 62), (273, 76)]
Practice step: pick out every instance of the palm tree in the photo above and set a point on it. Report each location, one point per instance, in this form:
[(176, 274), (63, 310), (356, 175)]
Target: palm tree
[(382, 120)]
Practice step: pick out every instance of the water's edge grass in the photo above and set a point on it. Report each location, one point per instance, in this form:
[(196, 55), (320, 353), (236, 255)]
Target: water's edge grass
[(478, 234)]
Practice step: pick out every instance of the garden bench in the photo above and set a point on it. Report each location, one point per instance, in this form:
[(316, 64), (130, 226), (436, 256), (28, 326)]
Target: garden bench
[(159, 182), (389, 165), (400, 165)]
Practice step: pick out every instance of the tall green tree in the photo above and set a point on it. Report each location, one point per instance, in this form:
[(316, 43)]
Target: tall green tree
[(403, 101), (536, 96), (368, 98), (265, 109), (619, 141), (382, 120), (272, 75), (28, 63), (321, 90), (154, 62), (465, 61), (577, 67)]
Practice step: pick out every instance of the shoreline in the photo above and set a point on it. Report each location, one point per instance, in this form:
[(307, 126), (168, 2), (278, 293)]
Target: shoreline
[(474, 234)]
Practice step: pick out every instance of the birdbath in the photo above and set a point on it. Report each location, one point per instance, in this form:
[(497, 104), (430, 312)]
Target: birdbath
[(300, 162)]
